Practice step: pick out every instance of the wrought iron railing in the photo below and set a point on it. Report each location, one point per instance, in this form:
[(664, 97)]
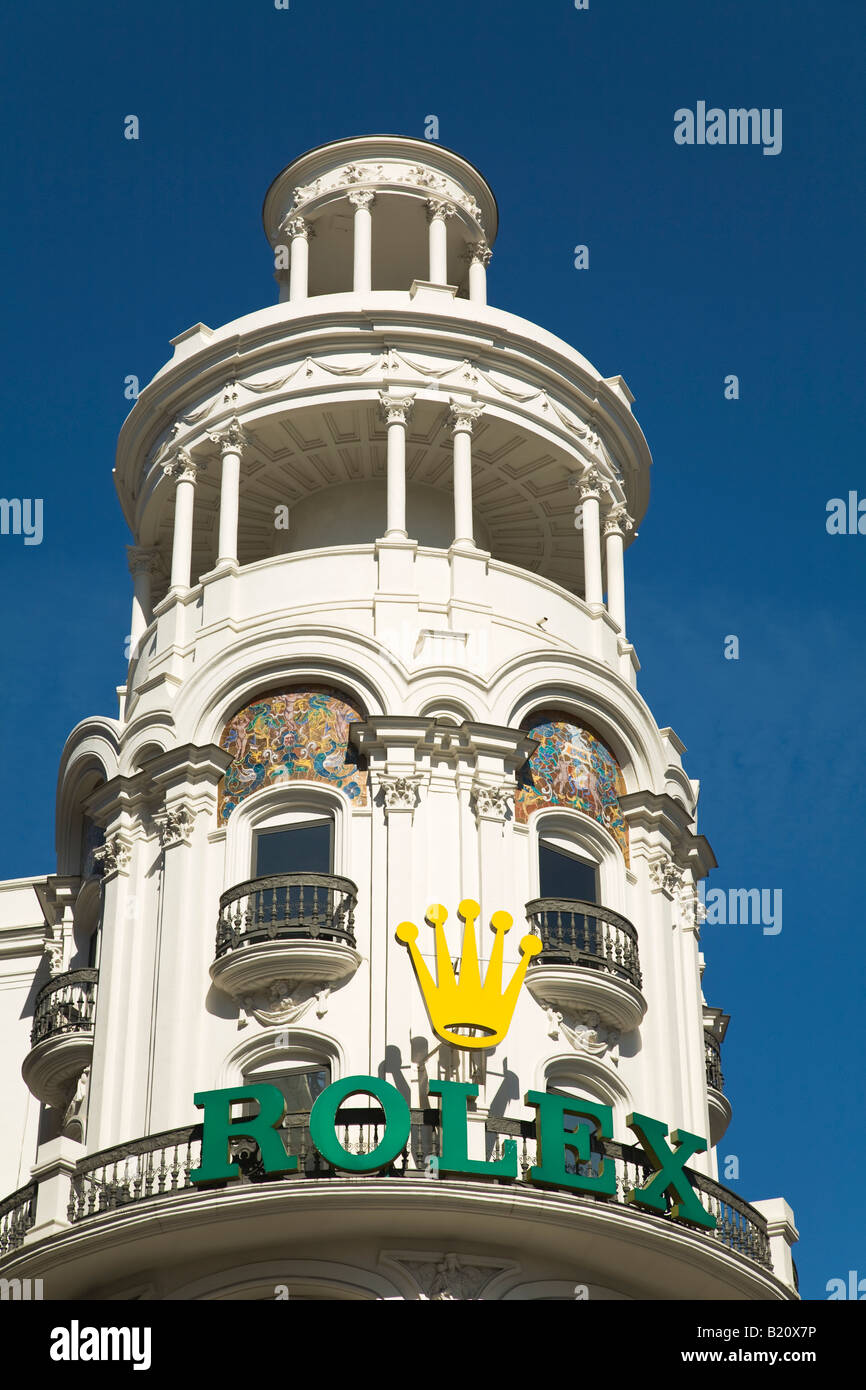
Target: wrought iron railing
[(318, 907), (713, 1050), (581, 933), (161, 1165), (65, 1004), (17, 1215)]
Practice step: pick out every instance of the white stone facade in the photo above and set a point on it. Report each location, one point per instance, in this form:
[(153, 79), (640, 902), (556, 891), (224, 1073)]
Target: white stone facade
[(430, 456)]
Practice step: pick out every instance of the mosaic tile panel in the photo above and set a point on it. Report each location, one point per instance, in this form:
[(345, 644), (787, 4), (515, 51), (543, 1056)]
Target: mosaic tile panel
[(571, 767), (298, 735)]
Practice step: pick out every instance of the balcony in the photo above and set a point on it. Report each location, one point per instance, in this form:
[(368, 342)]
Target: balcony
[(61, 1040), (159, 1167), (588, 962), (285, 927), (717, 1102)]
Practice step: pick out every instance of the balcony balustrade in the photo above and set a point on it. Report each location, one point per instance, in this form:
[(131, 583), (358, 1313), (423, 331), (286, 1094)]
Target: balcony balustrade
[(17, 1215), (62, 1035), (296, 927), (713, 1049), (588, 962), (718, 1105), (161, 1164)]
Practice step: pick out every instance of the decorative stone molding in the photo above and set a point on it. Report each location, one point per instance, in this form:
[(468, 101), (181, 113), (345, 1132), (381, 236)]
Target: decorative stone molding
[(400, 793), (182, 467), (592, 483), (231, 438), (142, 560), (585, 1033), (364, 198), (297, 226), (463, 415), (692, 913), (493, 802), (439, 207), (618, 521), (174, 826), (396, 407), (665, 875), (113, 857), (284, 1002), (442, 1277), (478, 251)]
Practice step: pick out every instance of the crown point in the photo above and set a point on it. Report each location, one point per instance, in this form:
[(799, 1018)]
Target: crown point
[(531, 945), (468, 909), (406, 932), (436, 914), (502, 921)]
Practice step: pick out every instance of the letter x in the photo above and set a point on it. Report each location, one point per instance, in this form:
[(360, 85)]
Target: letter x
[(669, 1176)]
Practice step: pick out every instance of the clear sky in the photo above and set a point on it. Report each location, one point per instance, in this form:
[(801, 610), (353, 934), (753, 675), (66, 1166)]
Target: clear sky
[(705, 261)]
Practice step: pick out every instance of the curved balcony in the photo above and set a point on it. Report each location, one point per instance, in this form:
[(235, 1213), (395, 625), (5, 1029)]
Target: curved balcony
[(285, 927), (588, 962), (717, 1102), (61, 1039)]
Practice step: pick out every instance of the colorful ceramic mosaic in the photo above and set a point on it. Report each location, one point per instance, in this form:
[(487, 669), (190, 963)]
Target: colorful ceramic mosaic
[(293, 735), (571, 767)]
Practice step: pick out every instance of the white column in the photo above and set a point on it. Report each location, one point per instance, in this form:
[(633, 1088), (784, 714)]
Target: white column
[(141, 566), (617, 524), (590, 492), (184, 470), (300, 232), (438, 213), (462, 418), (231, 442), (362, 201), (396, 409), (478, 254)]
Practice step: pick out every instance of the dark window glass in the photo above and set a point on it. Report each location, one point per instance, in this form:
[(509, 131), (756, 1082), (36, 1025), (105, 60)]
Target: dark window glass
[(563, 875), (297, 849)]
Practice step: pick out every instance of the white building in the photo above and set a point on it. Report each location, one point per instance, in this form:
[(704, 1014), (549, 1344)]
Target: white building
[(379, 661)]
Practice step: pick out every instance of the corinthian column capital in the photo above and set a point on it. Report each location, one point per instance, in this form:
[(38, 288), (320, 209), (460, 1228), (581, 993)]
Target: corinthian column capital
[(231, 439), (182, 467), (462, 415), (396, 407), (618, 521), (362, 198)]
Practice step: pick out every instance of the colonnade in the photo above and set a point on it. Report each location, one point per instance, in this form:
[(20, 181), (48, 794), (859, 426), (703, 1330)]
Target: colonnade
[(299, 231), (396, 406)]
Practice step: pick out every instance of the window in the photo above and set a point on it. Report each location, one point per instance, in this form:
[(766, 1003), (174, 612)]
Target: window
[(300, 1083), (305, 848), (562, 874)]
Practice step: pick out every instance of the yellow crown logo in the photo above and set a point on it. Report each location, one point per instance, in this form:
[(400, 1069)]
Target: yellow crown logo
[(462, 1001)]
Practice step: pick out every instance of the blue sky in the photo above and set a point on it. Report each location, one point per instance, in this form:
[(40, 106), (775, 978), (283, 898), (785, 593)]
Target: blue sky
[(704, 261)]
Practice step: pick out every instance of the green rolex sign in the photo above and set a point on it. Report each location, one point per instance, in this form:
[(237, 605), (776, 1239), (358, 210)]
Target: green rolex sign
[(555, 1141)]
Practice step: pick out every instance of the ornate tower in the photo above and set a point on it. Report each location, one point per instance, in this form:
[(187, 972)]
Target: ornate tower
[(379, 661)]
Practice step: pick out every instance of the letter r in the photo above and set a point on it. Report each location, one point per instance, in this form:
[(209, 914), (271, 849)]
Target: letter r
[(218, 1128)]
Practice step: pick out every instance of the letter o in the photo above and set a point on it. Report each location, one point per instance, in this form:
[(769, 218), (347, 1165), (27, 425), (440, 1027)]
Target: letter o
[(323, 1124)]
